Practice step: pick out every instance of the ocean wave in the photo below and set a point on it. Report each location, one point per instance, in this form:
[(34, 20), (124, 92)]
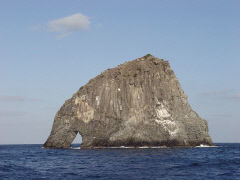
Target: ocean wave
[(147, 147), (206, 146), (127, 147), (75, 148)]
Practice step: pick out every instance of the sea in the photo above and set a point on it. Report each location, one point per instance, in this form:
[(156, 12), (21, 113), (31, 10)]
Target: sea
[(222, 161)]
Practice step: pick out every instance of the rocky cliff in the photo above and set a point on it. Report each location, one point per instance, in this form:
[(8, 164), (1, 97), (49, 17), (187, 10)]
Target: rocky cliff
[(138, 103)]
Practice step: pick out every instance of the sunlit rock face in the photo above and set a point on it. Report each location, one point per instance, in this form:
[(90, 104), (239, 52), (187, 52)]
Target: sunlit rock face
[(138, 103)]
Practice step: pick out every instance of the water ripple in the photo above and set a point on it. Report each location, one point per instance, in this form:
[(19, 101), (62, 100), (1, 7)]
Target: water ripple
[(34, 162)]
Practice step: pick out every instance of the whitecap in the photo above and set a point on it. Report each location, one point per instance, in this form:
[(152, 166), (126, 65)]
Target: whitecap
[(75, 147), (205, 146)]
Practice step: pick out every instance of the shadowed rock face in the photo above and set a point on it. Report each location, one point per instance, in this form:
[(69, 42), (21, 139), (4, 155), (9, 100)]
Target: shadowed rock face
[(138, 103)]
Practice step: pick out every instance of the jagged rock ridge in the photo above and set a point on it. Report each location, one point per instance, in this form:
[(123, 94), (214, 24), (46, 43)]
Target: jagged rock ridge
[(138, 103)]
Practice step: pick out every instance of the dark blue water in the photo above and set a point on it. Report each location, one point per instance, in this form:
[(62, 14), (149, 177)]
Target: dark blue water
[(34, 162)]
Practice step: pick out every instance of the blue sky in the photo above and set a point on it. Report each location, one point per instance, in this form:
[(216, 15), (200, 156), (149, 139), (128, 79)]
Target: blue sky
[(49, 49)]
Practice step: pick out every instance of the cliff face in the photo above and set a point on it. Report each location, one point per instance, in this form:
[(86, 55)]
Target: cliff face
[(138, 103)]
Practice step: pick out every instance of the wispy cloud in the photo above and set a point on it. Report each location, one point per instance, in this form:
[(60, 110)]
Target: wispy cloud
[(236, 96), (220, 115), (5, 99), (229, 94), (216, 92), (67, 25), (11, 113), (37, 27)]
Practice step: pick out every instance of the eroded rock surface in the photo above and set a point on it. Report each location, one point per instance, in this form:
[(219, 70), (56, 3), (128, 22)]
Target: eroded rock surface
[(138, 103)]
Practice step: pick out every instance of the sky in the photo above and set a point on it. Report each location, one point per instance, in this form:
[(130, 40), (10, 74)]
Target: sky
[(49, 49)]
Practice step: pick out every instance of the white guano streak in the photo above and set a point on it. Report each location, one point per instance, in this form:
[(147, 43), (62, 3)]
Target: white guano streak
[(168, 124), (98, 100)]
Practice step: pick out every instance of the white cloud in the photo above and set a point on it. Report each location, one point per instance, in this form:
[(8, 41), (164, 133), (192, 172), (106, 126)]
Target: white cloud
[(66, 25)]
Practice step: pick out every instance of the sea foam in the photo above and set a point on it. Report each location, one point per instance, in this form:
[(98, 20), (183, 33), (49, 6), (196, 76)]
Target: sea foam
[(205, 146)]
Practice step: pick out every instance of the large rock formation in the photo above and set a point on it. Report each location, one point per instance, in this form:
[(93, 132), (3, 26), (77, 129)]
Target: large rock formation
[(138, 103)]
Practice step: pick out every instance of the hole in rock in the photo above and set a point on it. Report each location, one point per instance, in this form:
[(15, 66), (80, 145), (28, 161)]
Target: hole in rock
[(77, 141)]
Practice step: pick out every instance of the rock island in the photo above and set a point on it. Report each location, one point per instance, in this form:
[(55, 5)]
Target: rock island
[(138, 103)]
